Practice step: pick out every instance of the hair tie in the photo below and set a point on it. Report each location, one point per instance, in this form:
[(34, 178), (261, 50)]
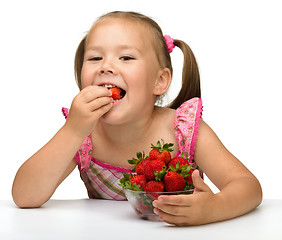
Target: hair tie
[(169, 43)]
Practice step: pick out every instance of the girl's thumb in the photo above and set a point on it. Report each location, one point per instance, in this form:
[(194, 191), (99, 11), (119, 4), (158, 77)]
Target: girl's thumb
[(199, 183)]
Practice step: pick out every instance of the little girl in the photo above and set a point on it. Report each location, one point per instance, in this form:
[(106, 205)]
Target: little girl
[(127, 50)]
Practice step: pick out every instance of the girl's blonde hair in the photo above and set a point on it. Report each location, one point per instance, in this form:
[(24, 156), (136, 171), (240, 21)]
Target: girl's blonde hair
[(190, 74)]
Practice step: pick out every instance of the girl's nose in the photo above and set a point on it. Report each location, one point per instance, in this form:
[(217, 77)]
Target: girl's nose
[(106, 68), (103, 71)]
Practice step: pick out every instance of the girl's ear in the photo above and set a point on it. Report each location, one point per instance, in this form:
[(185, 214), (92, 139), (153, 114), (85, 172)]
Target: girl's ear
[(163, 82)]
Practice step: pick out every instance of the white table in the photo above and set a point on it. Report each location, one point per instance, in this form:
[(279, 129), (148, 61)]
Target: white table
[(105, 219)]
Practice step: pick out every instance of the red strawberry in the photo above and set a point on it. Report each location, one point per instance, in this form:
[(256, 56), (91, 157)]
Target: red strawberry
[(161, 152), (189, 177), (116, 93), (140, 167), (181, 161), (154, 154), (165, 156), (139, 180), (142, 208), (173, 181), (154, 186), (152, 166)]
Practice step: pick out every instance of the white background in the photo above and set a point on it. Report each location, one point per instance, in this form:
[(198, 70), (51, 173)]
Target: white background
[(237, 45)]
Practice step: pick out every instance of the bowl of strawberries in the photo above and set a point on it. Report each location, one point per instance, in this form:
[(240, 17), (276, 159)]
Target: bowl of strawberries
[(155, 175)]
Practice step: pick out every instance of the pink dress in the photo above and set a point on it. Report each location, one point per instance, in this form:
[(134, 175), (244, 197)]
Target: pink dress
[(101, 180)]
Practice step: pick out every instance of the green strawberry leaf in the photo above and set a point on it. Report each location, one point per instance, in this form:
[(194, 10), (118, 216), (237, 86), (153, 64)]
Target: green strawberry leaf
[(140, 157), (159, 175), (158, 146), (135, 187), (185, 155), (133, 161), (126, 184), (172, 168), (125, 181), (188, 187)]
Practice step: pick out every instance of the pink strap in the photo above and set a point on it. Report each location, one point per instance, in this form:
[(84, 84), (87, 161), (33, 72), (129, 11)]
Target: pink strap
[(110, 167), (186, 125)]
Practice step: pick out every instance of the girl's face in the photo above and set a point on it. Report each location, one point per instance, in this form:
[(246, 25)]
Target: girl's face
[(120, 52)]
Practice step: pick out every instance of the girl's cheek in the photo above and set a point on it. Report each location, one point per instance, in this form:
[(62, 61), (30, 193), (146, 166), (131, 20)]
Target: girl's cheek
[(86, 79)]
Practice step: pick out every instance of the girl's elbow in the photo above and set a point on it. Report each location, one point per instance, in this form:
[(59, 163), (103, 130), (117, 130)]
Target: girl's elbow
[(25, 203), (26, 200), (259, 194)]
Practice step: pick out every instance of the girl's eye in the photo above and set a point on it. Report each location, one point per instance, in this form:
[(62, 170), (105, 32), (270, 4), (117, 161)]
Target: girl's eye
[(95, 59), (126, 58)]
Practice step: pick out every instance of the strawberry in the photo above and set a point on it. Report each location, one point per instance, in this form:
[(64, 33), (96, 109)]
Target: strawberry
[(140, 167), (116, 93), (181, 161), (161, 152), (154, 154), (181, 166), (173, 181), (154, 186), (189, 177), (143, 207), (138, 180), (135, 161), (165, 156), (153, 166)]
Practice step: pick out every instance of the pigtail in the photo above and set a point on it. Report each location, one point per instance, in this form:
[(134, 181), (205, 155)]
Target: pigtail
[(190, 76), (78, 61)]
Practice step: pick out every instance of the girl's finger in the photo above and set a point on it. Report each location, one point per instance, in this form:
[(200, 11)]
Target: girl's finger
[(172, 219), (99, 102), (102, 110), (171, 209), (181, 200), (91, 93)]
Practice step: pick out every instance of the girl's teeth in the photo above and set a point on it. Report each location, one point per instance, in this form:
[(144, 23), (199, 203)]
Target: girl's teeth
[(109, 86)]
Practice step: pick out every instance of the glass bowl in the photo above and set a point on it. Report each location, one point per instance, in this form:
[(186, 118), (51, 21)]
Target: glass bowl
[(142, 202)]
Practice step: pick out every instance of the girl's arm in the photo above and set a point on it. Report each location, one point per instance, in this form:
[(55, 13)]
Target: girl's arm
[(38, 178), (240, 191)]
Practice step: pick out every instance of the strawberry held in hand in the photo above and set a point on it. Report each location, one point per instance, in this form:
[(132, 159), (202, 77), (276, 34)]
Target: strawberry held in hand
[(116, 93)]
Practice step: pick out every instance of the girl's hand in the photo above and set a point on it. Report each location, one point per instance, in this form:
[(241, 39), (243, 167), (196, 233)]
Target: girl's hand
[(87, 107), (182, 210)]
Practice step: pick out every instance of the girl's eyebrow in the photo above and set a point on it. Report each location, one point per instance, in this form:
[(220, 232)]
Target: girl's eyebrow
[(127, 47), (119, 47)]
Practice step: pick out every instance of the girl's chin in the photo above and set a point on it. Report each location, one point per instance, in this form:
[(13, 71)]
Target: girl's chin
[(112, 117)]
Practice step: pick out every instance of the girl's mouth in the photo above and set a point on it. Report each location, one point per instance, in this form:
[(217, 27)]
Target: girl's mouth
[(117, 92)]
